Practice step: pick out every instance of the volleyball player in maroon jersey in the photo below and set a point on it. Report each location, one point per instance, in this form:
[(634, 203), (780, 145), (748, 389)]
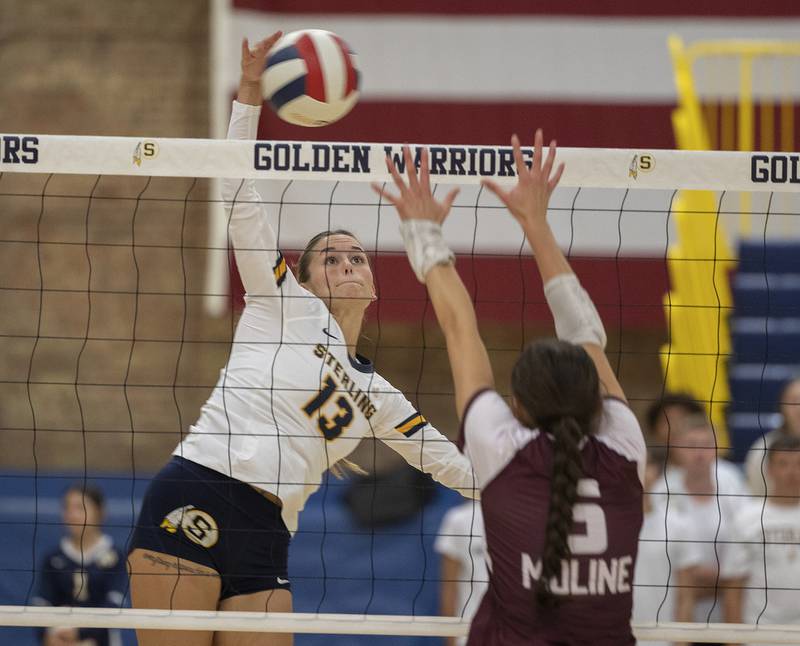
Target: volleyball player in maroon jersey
[(561, 468)]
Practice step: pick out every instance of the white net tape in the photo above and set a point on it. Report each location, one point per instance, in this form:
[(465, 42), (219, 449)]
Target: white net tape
[(343, 624), (585, 167)]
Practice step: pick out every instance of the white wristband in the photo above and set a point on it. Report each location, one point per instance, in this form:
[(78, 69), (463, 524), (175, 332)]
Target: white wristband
[(425, 246), (574, 314)]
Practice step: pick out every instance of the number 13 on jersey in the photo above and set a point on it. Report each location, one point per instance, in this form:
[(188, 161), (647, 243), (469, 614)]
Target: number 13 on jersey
[(330, 427)]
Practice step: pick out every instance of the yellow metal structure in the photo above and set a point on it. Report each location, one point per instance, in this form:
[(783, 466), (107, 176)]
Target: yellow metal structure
[(699, 303)]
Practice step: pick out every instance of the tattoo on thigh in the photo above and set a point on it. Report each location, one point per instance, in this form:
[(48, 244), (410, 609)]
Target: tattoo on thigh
[(178, 566)]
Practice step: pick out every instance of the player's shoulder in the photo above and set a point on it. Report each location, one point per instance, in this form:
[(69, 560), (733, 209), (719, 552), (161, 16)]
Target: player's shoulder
[(386, 397), (617, 413), (488, 407), (377, 381), (620, 431), (488, 418)]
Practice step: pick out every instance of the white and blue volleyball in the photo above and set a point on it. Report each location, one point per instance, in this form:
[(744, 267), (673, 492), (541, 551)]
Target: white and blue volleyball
[(311, 78)]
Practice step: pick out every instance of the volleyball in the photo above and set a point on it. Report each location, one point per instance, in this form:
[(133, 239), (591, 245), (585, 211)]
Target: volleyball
[(311, 78)]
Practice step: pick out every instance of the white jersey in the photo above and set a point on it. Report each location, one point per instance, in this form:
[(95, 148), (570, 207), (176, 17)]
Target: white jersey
[(711, 519), (768, 545), (291, 402), (461, 538), (664, 550)]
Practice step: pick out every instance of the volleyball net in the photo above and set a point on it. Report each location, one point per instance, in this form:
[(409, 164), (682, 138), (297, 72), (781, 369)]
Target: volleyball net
[(119, 297)]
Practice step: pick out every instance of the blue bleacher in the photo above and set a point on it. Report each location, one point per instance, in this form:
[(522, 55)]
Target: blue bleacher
[(765, 335), (335, 565), (762, 294), (780, 256), (755, 387), (759, 339)]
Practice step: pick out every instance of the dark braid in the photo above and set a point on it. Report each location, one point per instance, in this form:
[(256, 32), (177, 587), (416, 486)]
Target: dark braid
[(557, 386), (567, 470)]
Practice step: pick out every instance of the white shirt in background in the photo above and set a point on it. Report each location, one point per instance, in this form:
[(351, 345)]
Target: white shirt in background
[(461, 538), (711, 521), (664, 550), (767, 552)]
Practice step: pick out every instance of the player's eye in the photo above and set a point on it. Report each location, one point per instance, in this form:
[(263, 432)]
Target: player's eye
[(358, 259), (331, 260)]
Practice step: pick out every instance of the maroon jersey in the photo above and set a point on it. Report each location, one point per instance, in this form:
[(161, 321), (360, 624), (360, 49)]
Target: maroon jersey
[(513, 465)]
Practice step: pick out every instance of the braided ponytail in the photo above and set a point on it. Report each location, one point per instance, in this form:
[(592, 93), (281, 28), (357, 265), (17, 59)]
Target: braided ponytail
[(567, 470), (557, 386)]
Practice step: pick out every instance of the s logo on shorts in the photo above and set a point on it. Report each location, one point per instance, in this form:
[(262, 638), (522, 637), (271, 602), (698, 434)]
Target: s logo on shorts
[(198, 526)]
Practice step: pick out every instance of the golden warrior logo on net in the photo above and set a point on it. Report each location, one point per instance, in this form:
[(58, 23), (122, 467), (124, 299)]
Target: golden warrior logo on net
[(145, 150), (198, 525), (641, 163)]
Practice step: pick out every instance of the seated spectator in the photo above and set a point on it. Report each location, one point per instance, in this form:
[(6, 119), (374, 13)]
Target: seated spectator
[(790, 427), (465, 578), (708, 491), (664, 567), (664, 414), (86, 570), (765, 560)]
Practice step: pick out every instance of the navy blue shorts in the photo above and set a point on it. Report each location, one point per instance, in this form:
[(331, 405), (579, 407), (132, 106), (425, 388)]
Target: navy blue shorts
[(203, 516)]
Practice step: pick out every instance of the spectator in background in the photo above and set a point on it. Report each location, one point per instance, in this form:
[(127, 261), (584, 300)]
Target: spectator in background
[(462, 546), (664, 414), (765, 560), (86, 570), (790, 427), (708, 491), (667, 557)]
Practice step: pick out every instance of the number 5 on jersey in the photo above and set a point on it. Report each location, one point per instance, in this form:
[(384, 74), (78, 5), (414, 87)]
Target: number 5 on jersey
[(595, 538), (330, 427)]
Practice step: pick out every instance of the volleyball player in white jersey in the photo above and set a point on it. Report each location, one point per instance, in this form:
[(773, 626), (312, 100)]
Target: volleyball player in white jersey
[(561, 469), (765, 556), (293, 400)]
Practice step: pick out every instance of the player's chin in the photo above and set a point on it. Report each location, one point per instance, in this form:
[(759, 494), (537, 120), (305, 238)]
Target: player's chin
[(354, 293)]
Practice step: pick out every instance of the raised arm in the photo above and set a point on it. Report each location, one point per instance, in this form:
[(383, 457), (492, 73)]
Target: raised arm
[(260, 263), (574, 314), (432, 261)]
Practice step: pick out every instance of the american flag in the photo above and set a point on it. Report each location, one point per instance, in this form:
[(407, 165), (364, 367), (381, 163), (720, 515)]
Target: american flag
[(592, 73)]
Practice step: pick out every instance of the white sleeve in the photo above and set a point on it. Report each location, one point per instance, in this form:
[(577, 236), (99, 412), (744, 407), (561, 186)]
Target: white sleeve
[(405, 430), (491, 436), (261, 265), (620, 431)]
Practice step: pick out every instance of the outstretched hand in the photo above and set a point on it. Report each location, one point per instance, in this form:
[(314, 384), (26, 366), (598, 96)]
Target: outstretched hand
[(416, 201), (254, 60), (528, 200)]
